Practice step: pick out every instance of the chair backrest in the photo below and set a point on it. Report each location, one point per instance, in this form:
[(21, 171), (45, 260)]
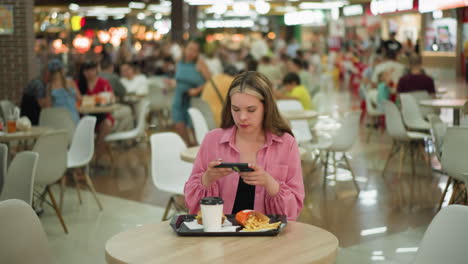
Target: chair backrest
[(205, 110), (20, 177), (169, 172), (3, 164), (144, 108), (346, 135), (6, 108), (454, 153), (82, 146), (24, 238), (52, 149), (445, 239), (438, 130), (58, 118), (425, 110), (410, 110), (371, 103), (300, 128), (199, 124), (393, 122)]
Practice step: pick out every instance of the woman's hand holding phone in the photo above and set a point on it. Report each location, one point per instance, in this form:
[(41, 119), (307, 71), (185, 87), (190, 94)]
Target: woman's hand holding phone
[(212, 174), (259, 177)]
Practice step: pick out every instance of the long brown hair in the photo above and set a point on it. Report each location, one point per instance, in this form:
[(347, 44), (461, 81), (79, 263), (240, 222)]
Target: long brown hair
[(256, 84)]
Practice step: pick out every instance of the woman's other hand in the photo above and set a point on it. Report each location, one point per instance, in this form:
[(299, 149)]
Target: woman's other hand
[(213, 174), (259, 177)]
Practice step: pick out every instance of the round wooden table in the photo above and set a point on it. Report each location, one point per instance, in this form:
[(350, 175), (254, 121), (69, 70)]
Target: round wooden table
[(158, 243), (98, 109), (299, 114), (189, 154), (456, 104)]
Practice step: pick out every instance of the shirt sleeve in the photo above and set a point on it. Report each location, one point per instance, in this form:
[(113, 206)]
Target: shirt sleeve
[(194, 190), (290, 198)]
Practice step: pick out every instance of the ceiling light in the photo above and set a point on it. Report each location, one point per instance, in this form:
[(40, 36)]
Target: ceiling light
[(141, 16), (241, 8), (219, 8), (136, 5), (262, 7), (322, 5), (73, 7)]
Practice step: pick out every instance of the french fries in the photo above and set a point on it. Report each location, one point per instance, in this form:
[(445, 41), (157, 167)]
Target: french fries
[(258, 221)]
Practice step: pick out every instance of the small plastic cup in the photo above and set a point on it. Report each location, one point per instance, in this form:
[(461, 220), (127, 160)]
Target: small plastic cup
[(212, 213), (11, 126)]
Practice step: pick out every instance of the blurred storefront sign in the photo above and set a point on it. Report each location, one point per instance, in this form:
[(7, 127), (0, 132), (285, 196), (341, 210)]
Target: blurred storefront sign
[(378, 7), (353, 10), (307, 17), (432, 5)]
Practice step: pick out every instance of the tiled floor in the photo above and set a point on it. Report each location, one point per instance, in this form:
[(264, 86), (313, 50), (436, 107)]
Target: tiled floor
[(376, 226)]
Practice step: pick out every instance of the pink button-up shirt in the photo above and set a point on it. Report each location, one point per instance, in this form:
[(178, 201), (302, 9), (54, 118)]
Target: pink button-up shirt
[(279, 157)]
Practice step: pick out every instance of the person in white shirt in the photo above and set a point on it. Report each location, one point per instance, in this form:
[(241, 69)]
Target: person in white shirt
[(133, 82)]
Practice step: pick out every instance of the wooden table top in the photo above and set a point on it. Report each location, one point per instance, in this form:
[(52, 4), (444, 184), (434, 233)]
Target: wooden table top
[(158, 243), (299, 114), (34, 132), (189, 154), (444, 103), (98, 109)]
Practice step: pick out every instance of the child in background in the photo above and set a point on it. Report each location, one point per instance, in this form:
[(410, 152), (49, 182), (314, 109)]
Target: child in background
[(384, 89), (295, 91)]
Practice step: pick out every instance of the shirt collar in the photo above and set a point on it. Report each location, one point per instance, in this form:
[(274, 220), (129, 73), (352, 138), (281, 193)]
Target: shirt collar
[(229, 134)]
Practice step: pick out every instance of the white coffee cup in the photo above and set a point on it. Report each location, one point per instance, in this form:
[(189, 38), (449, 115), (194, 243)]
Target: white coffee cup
[(212, 213)]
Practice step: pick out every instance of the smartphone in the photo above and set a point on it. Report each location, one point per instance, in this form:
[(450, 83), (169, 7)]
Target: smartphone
[(238, 167)]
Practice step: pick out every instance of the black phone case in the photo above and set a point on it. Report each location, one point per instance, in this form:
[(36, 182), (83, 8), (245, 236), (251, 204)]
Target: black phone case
[(239, 167)]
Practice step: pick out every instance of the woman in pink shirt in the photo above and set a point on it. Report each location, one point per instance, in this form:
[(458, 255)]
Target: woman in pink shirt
[(252, 131)]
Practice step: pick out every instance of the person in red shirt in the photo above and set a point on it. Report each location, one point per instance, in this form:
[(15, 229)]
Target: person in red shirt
[(89, 83), (416, 79)]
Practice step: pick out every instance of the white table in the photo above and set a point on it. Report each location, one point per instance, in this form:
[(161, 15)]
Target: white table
[(299, 114), (158, 243), (456, 104)]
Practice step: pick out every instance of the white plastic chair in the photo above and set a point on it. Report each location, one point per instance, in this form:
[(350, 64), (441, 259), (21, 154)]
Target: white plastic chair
[(402, 138), (58, 118), (3, 164), (134, 134), (412, 115), (169, 172), (372, 111), (80, 154), (24, 239), (425, 110), (20, 177), (300, 128), (445, 239), (52, 164), (6, 108), (438, 130), (454, 155), (341, 141), (199, 124)]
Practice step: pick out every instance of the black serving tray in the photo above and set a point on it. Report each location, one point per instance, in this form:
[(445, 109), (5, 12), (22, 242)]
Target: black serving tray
[(182, 230)]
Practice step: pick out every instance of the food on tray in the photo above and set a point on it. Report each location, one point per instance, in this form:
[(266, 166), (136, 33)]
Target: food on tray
[(253, 220), (200, 220)]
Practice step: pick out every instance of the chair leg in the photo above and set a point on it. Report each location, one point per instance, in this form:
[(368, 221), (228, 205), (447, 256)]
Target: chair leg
[(109, 152), (352, 172), (390, 156), (168, 206), (325, 167), (63, 183), (57, 211), (400, 168), (413, 171), (334, 166), (449, 180), (77, 185), (93, 191)]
